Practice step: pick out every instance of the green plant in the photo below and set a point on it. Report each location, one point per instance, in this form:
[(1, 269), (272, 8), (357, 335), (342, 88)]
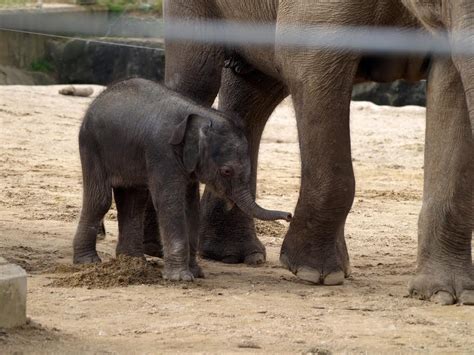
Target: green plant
[(42, 65), (158, 7), (8, 3), (119, 6)]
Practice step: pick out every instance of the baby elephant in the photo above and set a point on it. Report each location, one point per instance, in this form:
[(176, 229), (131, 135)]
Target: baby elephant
[(141, 139)]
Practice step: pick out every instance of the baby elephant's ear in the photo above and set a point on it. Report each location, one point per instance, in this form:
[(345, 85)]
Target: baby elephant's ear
[(191, 143), (179, 131)]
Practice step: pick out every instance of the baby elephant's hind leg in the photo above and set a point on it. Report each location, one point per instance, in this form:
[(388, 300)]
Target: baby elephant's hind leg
[(131, 205), (96, 201), (101, 232), (151, 235)]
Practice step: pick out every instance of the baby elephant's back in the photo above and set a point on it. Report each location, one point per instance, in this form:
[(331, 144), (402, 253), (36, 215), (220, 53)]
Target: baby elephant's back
[(127, 104), (120, 123)]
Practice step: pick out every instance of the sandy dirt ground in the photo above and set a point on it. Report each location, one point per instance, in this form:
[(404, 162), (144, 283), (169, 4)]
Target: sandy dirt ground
[(236, 308)]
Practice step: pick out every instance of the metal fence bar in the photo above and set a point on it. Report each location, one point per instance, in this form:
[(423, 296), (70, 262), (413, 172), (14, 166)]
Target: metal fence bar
[(374, 40)]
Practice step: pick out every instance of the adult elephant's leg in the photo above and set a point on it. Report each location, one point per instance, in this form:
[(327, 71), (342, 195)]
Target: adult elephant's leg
[(444, 271), (320, 84), (229, 236), (193, 70)]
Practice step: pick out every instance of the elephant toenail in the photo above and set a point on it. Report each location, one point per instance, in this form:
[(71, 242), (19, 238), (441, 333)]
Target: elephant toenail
[(309, 274), (334, 278), (467, 298)]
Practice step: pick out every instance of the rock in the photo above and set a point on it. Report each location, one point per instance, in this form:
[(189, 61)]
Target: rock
[(12, 295), (75, 91), (398, 93)]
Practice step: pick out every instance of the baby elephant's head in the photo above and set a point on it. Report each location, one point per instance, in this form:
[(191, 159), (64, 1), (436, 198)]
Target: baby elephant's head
[(216, 150)]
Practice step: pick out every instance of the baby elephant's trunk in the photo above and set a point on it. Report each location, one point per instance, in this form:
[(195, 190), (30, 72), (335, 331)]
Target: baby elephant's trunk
[(246, 203)]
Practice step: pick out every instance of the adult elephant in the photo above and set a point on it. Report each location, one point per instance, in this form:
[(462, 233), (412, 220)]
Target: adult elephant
[(320, 82)]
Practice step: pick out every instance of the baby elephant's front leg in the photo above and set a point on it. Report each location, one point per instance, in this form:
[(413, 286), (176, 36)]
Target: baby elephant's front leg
[(172, 221), (192, 220)]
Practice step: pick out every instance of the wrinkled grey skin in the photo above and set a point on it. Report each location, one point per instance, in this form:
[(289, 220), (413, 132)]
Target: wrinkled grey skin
[(139, 137), (320, 82)]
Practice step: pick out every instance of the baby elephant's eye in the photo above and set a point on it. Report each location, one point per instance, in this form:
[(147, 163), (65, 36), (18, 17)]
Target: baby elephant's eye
[(226, 171)]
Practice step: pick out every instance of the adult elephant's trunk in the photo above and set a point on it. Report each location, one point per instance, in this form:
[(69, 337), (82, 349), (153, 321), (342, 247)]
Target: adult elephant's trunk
[(244, 200)]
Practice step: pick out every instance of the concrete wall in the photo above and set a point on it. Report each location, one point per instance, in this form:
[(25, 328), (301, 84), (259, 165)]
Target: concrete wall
[(90, 62), (78, 21), (20, 50), (77, 61)]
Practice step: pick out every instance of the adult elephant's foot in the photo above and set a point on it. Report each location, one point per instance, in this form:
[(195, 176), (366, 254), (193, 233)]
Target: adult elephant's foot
[(196, 271), (313, 260), (228, 236), (128, 248), (231, 244), (176, 274), (153, 249), (90, 257), (444, 284)]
